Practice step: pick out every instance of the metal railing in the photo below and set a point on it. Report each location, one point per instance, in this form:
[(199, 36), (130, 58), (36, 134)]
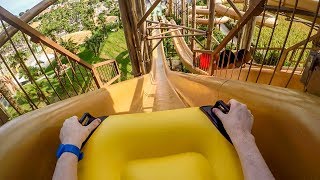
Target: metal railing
[(263, 63), (39, 72), (108, 71)]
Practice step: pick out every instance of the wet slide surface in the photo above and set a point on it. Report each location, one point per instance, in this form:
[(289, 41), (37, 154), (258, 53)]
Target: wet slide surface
[(165, 98)]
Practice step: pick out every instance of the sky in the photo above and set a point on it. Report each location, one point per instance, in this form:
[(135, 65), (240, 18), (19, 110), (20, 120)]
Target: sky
[(17, 6)]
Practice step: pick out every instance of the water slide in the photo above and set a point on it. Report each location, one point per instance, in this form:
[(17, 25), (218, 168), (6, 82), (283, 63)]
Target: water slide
[(309, 6), (223, 11), (286, 125), (280, 79)]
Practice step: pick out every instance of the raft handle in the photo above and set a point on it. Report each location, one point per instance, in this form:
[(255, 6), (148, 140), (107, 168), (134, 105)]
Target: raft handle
[(214, 118), (86, 119)]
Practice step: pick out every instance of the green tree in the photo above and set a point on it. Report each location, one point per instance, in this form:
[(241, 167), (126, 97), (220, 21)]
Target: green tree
[(94, 43), (4, 90), (70, 45)]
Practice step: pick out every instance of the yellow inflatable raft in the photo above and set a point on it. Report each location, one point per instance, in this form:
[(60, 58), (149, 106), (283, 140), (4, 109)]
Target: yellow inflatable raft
[(175, 144)]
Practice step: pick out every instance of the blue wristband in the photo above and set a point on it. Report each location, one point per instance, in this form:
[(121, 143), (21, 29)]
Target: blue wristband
[(69, 148)]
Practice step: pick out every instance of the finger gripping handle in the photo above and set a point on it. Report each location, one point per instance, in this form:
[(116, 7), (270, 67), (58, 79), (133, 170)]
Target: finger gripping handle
[(86, 119), (214, 118)]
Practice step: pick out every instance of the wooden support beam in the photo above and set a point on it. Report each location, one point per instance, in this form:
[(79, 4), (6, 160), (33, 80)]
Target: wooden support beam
[(211, 23), (185, 35), (134, 16), (163, 33), (26, 17), (203, 51), (145, 16), (301, 43), (199, 43), (255, 10), (174, 25), (163, 28), (235, 8), (155, 46), (170, 2), (184, 18), (127, 24), (193, 26), (296, 46), (247, 33)]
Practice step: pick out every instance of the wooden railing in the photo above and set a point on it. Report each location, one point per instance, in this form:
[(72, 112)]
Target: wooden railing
[(38, 71), (108, 71), (279, 66)]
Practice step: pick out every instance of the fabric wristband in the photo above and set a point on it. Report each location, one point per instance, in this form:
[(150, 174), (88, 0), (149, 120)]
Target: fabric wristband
[(69, 148)]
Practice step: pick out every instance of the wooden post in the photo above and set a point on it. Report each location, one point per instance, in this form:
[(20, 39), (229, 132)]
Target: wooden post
[(211, 23), (187, 12), (145, 16), (257, 8), (245, 5), (193, 25), (170, 7), (97, 78), (141, 31), (248, 30), (183, 11), (128, 26), (137, 31), (176, 9), (3, 115)]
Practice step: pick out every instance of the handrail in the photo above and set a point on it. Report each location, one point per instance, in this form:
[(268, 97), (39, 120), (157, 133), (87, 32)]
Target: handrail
[(26, 17), (103, 63), (63, 75), (36, 36), (109, 69)]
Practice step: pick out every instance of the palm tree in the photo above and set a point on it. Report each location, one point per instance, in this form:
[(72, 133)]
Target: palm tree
[(4, 90), (95, 42), (70, 45)]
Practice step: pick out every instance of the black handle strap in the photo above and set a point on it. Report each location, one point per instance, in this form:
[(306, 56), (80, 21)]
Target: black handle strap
[(214, 118), (86, 119)]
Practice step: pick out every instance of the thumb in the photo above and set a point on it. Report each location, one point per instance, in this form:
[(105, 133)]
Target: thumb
[(219, 113), (94, 124)]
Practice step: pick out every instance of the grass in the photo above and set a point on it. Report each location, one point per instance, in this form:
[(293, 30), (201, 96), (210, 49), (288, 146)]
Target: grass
[(114, 47), (298, 32)]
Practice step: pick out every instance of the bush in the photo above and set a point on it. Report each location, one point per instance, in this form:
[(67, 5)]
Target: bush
[(271, 59)]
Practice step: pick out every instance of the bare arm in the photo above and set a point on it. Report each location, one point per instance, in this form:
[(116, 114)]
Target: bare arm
[(72, 132), (238, 123)]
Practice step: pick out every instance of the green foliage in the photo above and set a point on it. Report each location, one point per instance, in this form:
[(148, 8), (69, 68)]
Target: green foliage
[(69, 45), (202, 3), (115, 12), (177, 20), (298, 33), (95, 42), (218, 35), (114, 47), (70, 18), (272, 57)]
